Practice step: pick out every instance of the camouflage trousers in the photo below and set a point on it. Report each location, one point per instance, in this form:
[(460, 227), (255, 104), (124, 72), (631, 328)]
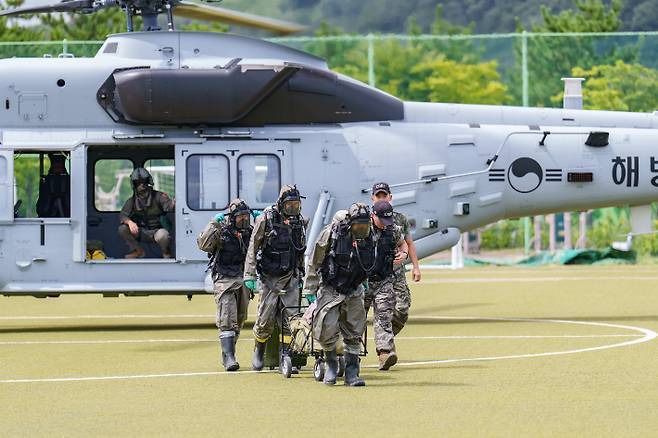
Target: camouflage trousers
[(272, 299), (339, 315), (159, 236), (381, 297), (402, 300), (232, 300)]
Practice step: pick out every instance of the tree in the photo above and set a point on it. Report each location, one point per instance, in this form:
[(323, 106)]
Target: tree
[(444, 80), (552, 57), (619, 87)]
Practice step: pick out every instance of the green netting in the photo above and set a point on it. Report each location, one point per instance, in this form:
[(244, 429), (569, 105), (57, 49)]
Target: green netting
[(606, 256)]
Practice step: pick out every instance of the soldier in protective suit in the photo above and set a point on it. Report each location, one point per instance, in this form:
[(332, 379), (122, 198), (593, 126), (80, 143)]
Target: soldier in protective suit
[(276, 258), (381, 280), (143, 216), (342, 257), (226, 239)]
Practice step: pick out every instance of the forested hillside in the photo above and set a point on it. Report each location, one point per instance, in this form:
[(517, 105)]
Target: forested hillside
[(485, 16)]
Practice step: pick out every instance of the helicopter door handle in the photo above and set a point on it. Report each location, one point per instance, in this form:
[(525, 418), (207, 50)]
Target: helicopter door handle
[(94, 221)]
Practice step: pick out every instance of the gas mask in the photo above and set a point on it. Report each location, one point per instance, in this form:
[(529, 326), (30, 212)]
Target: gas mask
[(360, 229), (359, 221), (289, 202), (240, 214), (242, 221), (291, 207)]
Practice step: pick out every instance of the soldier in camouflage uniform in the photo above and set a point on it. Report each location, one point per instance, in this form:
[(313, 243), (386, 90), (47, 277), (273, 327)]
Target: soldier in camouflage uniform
[(276, 258), (226, 239), (381, 277), (382, 191), (143, 216), (338, 266)]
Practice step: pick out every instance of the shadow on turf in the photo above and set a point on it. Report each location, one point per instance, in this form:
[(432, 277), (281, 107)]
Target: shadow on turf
[(107, 328), (416, 319)]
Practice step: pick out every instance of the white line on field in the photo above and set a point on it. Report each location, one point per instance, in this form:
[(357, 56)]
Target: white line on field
[(647, 335), (66, 317), (134, 377), (533, 279), (397, 338)]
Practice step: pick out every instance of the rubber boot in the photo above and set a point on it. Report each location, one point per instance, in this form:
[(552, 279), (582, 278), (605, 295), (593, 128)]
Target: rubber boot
[(258, 359), (228, 353), (352, 370), (331, 370)]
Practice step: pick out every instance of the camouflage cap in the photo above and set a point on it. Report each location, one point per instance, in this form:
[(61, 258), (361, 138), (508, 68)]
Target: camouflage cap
[(381, 187), (384, 211)]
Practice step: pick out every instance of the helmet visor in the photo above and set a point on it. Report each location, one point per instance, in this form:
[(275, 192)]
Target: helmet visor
[(360, 230), (242, 221), (292, 207)]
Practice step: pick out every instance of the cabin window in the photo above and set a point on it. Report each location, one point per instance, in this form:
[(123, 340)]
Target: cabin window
[(112, 184), (43, 184), (162, 171), (259, 179), (207, 182)]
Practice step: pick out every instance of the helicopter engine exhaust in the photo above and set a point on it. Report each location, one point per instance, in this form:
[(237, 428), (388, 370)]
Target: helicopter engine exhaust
[(242, 95)]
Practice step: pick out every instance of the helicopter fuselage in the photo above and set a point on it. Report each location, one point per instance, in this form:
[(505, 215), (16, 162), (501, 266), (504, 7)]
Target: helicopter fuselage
[(452, 168)]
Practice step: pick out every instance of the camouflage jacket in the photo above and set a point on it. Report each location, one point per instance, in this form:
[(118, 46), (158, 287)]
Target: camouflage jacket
[(157, 204)]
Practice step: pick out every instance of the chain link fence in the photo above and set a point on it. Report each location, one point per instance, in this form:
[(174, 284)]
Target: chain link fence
[(511, 69), (528, 65)]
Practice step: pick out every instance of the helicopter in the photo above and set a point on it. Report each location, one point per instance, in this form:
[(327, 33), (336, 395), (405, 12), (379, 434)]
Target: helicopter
[(227, 116)]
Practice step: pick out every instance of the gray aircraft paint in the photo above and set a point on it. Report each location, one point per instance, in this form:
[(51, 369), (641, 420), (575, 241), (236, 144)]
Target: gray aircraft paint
[(436, 159)]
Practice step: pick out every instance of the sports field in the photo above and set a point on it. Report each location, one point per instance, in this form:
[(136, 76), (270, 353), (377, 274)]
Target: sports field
[(488, 351)]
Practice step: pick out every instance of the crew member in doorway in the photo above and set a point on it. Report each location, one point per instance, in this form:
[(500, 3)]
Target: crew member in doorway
[(55, 189), (226, 239), (143, 216)]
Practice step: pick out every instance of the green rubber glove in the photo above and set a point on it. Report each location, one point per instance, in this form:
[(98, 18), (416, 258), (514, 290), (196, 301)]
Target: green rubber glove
[(311, 298), (365, 286), (251, 285), (219, 217), (256, 213)]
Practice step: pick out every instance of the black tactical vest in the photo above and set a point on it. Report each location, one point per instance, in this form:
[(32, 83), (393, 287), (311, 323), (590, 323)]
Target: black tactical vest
[(345, 267), (229, 259), (148, 217), (283, 247), (385, 255)]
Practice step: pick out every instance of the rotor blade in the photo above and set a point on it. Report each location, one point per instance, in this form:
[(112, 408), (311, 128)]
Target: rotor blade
[(198, 11), (65, 6)]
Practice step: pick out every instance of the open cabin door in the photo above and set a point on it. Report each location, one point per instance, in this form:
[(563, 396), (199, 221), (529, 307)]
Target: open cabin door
[(210, 175), (6, 187)]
